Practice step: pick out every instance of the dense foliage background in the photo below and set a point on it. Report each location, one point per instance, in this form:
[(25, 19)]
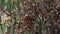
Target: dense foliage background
[(29, 16)]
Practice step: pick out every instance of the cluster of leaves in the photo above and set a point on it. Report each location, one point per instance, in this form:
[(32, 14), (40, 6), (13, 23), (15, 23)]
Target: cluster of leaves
[(52, 11)]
